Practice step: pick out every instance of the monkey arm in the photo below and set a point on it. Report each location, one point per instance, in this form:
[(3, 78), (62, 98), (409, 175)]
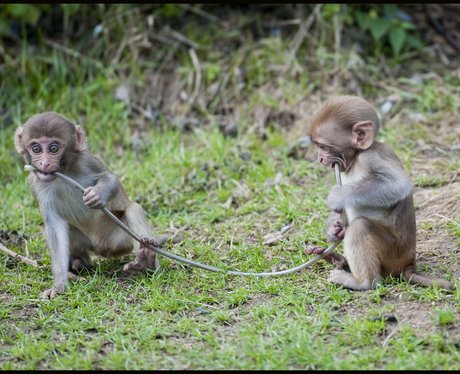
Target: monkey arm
[(374, 192), (385, 185), (105, 189), (57, 233), (108, 184)]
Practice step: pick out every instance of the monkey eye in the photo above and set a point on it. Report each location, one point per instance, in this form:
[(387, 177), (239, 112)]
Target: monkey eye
[(36, 148), (321, 147), (53, 148)]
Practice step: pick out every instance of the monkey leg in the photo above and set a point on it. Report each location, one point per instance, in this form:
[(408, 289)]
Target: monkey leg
[(80, 247), (145, 259), (363, 248)]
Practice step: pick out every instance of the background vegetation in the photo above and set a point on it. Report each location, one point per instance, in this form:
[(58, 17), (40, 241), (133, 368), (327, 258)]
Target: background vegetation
[(199, 109)]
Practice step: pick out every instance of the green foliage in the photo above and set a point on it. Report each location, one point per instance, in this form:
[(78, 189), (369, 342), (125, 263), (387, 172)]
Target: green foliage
[(28, 13), (445, 316), (13, 15), (387, 26), (170, 11), (330, 10)]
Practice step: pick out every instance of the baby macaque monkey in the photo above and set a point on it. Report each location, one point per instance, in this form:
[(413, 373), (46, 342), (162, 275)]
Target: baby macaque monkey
[(75, 227), (376, 196)]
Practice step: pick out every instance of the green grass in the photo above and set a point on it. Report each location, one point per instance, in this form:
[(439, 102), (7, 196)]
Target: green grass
[(183, 318)]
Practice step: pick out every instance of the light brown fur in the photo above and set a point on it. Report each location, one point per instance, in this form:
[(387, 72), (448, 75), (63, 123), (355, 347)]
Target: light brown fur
[(75, 227), (376, 196)]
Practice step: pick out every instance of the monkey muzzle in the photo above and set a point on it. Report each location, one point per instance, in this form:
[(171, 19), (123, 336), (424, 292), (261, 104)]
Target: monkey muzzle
[(44, 177)]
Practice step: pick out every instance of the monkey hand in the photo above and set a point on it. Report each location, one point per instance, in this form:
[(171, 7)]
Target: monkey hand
[(335, 232), (93, 198), (335, 199)]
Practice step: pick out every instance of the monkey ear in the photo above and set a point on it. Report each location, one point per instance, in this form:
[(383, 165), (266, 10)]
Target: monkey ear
[(80, 139), (19, 141), (363, 135)]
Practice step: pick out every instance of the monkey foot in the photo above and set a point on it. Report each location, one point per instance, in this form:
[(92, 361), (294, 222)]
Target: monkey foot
[(347, 280), (338, 276), (336, 259), (73, 276), (50, 293), (145, 259), (339, 261), (146, 241), (77, 264), (314, 249)]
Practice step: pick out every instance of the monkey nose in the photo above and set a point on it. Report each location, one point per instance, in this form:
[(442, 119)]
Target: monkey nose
[(46, 167)]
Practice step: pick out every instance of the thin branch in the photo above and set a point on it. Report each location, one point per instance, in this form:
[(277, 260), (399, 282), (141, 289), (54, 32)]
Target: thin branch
[(439, 27), (18, 256), (301, 35), (196, 64), (183, 39), (200, 12), (72, 52)]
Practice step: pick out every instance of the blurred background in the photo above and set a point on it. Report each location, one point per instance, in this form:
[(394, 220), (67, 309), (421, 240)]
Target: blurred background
[(238, 67)]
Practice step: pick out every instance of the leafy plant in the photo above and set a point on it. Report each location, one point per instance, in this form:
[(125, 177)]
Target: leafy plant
[(388, 25), (14, 16), (445, 316)]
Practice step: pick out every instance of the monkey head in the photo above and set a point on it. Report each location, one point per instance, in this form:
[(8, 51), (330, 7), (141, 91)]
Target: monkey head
[(344, 126), (47, 141)]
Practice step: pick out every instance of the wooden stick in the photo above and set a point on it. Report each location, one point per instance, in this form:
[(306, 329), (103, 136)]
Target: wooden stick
[(17, 255)]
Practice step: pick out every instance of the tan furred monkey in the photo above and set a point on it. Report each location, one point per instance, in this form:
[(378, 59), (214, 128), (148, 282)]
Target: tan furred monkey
[(376, 195), (75, 227)]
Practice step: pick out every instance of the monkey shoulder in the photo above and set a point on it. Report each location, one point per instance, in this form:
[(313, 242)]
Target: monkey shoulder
[(384, 165), (93, 168), (94, 163), (385, 152), (382, 160)]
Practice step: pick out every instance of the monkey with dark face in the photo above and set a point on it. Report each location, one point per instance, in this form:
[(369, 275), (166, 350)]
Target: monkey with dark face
[(75, 227), (376, 196)]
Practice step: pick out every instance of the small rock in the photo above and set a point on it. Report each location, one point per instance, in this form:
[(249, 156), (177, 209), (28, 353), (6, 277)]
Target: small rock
[(122, 94)]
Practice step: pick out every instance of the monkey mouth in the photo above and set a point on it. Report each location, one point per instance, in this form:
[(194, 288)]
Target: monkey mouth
[(339, 162), (45, 177)]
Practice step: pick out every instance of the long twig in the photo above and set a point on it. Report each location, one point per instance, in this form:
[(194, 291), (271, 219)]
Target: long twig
[(155, 246), (196, 64), (17, 255), (301, 35), (72, 52), (200, 12), (182, 38)]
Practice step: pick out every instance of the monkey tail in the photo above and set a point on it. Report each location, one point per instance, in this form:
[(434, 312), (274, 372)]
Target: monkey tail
[(412, 277)]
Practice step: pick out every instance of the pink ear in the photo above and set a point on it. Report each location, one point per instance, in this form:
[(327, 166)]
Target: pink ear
[(80, 139), (363, 135), (18, 140)]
